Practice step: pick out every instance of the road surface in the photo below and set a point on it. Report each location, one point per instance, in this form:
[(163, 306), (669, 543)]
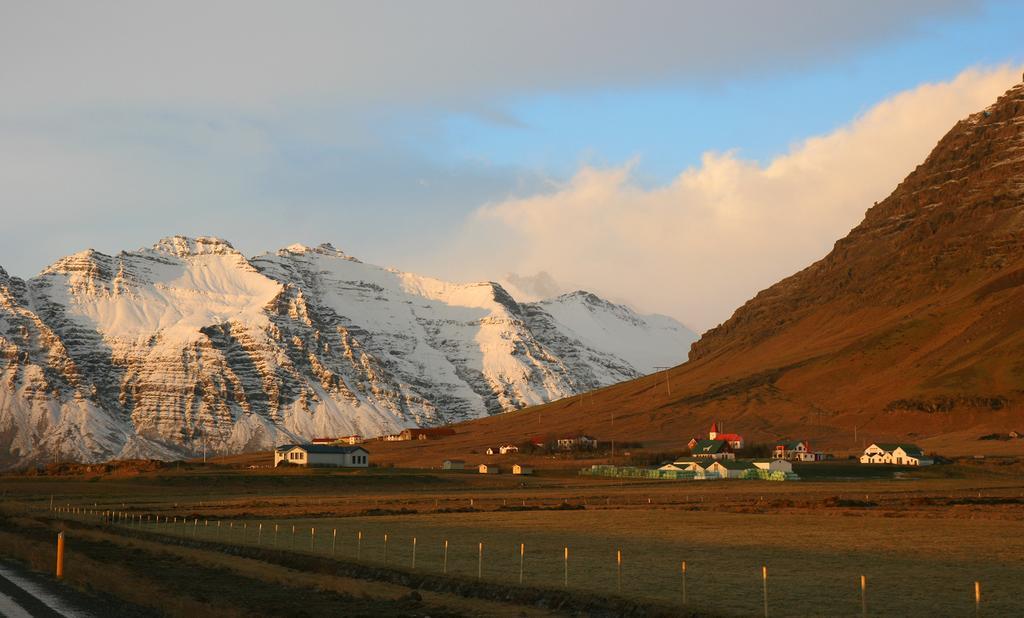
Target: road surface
[(23, 595)]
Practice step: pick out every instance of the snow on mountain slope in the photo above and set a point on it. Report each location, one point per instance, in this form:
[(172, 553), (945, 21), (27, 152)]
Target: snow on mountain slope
[(160, 351), (645, 342)]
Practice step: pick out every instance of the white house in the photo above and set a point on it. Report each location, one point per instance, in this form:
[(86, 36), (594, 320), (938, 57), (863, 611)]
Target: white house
[(900, 454), (582, 442), (489, 469), (773, 465), (453, 464), (322, 455), (730, 469), (521, 469), (506, 449)]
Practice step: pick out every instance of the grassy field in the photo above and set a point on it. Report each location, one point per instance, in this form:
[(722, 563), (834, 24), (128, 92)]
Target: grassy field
[(921, 540)]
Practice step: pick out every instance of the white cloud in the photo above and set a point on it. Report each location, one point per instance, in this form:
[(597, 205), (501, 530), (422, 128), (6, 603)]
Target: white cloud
[(702, 245)]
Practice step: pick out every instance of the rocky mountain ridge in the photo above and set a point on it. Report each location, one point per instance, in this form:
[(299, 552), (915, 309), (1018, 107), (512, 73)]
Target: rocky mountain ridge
[(165, 351)]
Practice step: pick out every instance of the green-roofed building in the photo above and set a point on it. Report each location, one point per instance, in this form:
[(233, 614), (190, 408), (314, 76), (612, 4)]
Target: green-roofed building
[(712, 449)]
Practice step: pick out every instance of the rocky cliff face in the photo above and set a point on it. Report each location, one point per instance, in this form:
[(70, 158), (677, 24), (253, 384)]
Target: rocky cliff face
[(162, 351)]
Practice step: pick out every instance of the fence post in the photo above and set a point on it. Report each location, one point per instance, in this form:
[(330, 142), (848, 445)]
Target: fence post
[(522, 553), (444, 564), (293, 537), (764, 578), (385, 548), (259, 535), (413, 553), (566, 563), (684, 582), (977, 597), (618, 570), (312, 540), (60, 555), (863, 596), (334, 543), (275, 534), (480, 562), (359, 545)]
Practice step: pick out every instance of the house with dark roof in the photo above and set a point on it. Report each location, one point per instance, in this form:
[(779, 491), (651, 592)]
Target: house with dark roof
[(895, 453), (712, 449), (322, 455)]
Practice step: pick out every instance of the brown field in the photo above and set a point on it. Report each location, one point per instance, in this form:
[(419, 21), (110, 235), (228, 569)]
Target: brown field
[(922, 540)]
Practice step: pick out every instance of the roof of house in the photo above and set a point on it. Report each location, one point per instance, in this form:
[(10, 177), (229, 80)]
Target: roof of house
[(321, 448), (731, 437), (735, 465), (791, 444), (710, 447), (455, 460)]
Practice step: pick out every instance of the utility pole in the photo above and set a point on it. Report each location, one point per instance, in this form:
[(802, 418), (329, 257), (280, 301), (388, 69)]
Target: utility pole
[(668, 382)]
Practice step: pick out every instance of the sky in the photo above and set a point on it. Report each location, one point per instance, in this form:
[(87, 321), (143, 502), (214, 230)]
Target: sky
[(674, 156)]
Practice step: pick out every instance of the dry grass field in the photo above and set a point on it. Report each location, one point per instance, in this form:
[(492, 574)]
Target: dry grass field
[(922, 539)]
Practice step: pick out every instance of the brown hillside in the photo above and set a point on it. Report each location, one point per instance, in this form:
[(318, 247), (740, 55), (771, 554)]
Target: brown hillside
[(911, 328)]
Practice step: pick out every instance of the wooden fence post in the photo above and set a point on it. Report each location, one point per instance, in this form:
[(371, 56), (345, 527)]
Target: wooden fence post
[(566, 563), (334, 543), (480, 561), (413, 553), (444, 564), (522, 554)]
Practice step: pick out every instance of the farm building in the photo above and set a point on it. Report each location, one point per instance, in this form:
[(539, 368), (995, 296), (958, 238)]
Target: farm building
[(579, 442), (488, 469), (735, 440), (687, 465), (315, 455), (351, 440), (506, 449), (453, 464), (428, 433), (773, 465), (900, 454), (730, 469), (492, 450), (712, 449), (521, 469)]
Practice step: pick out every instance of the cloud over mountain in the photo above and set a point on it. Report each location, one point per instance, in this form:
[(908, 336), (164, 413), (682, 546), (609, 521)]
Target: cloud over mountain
[(699, 246)]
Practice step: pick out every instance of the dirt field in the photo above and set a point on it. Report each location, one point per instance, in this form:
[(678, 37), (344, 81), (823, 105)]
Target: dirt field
[(921, 540)]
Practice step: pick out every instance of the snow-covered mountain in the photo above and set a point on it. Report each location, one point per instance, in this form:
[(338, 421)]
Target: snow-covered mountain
[(159, 351)]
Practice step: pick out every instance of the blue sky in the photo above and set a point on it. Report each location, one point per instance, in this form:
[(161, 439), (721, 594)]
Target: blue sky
[(668, 126), (396, 130)]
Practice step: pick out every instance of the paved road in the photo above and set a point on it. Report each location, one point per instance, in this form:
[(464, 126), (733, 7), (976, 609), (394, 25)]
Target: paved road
[(23, 595)]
